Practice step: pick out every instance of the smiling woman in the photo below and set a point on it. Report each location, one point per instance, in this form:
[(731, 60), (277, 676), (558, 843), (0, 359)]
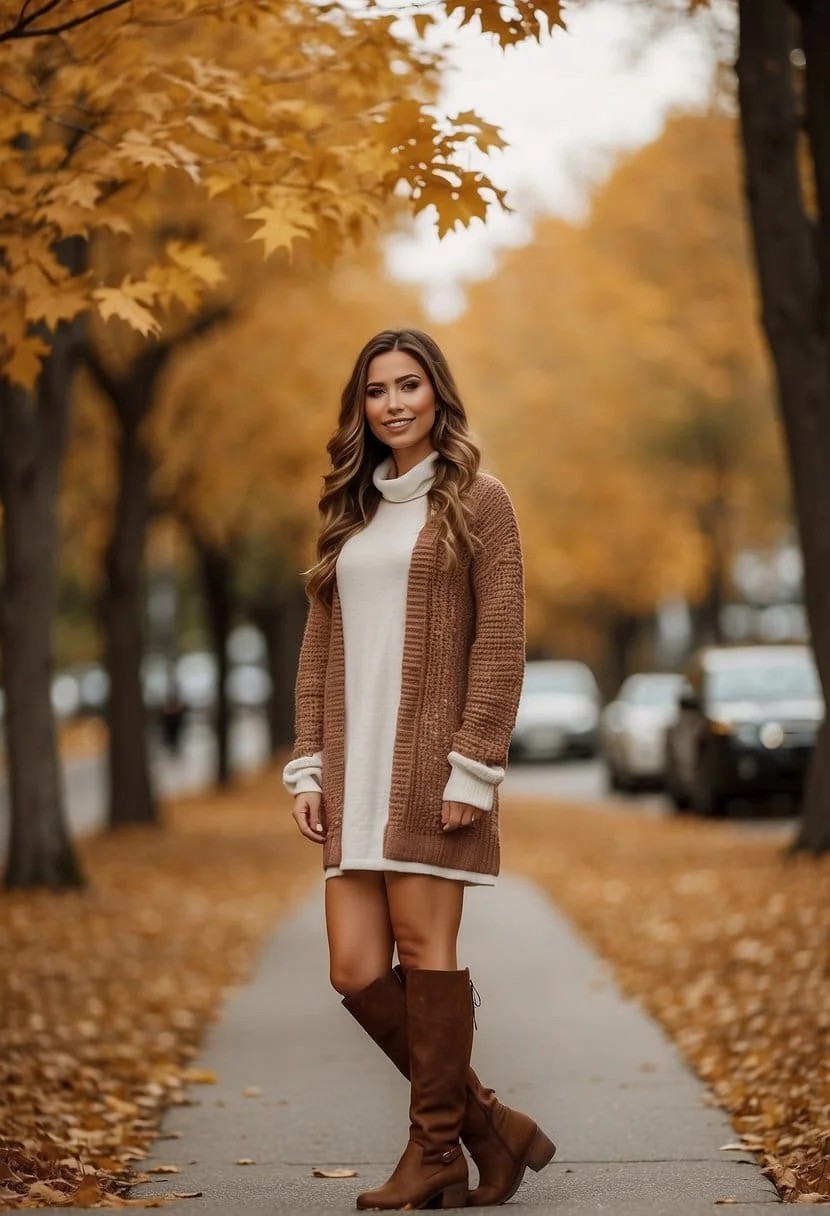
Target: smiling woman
[(400, 407), (408, 684)]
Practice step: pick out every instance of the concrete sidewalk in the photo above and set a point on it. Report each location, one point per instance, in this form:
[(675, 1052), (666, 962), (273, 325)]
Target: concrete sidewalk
[(633, 1128)]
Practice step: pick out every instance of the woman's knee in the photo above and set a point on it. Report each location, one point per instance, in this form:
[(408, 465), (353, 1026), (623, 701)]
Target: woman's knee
[(348, 977)]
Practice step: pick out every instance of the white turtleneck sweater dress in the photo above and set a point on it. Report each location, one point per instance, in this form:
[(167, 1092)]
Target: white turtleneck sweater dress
[(372, 575)]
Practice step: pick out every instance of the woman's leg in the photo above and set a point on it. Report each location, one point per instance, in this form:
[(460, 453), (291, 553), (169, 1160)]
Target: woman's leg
[(425, 914), (359, 930)]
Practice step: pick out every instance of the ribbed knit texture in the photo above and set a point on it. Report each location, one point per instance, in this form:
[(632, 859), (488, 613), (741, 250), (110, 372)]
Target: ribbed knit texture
[(462, 669)]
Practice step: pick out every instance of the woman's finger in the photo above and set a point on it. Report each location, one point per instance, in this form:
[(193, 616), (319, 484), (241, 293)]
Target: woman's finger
[(452, 819), (304, 817)]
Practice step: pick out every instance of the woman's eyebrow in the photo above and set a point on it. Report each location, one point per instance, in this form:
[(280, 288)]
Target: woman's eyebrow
[(398, 380)]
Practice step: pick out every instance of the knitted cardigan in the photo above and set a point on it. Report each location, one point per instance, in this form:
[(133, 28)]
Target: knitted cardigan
[(461, 677)]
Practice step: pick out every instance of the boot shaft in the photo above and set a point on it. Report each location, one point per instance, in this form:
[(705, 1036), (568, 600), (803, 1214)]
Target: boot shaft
[(439, 1013)]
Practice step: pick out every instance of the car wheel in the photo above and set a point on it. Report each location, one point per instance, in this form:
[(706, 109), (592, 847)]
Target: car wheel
[(707, 797)]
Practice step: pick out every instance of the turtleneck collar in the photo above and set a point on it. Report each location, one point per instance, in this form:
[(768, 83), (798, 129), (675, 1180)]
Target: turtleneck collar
[(414, 484)]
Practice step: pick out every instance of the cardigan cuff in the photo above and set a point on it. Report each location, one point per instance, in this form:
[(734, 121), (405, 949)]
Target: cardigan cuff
[(472, 782), (304, 775)]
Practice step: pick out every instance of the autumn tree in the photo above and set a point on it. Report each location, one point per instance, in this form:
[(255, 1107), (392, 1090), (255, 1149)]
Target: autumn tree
[(620, 385), (709, 420)]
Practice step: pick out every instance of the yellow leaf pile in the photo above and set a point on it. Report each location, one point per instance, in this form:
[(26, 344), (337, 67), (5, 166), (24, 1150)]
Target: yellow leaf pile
[(106, 992), (726, 941)]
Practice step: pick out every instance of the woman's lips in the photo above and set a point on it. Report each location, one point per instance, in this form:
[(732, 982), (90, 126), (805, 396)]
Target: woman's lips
[(398, 424)]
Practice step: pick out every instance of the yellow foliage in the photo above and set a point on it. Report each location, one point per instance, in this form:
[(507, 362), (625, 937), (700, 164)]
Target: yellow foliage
[(617, 376), (306, 118)]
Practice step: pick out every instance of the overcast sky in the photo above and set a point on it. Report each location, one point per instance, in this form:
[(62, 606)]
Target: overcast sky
[(564, 107)]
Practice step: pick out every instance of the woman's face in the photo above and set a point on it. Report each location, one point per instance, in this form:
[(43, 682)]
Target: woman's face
[(400, 407)]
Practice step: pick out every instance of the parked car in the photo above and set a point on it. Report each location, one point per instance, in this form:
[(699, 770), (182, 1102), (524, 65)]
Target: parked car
[(746, 725), (558, 711), (633, 729)]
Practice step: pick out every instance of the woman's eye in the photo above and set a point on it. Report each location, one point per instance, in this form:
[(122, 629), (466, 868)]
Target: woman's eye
[(374, 392), (411, 384)]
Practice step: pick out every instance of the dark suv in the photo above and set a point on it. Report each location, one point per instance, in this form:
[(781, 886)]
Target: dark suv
[(746, 725)]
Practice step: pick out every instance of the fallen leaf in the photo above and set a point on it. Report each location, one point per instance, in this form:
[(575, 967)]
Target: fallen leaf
[(319, 1172), (723, 938), (99, 1046), (199, 1076)]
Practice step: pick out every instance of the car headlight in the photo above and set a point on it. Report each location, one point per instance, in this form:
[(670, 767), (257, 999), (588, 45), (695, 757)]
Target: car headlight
[(771, 735)]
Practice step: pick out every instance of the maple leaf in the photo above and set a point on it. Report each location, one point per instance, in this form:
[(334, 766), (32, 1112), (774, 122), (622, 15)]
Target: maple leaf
[(196, 261), (22, 367), (510, 23), (115, 302), (56, 305), (81, 192), (136, 147), (282, 222), (486, 134)]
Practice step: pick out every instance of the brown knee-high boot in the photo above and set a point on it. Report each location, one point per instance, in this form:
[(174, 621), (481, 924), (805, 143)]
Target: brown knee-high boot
[(502, 1142), (439, 1030)]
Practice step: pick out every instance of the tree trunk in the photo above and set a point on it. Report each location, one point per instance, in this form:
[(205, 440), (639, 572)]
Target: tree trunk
[(794, 312), (131, 395), (623, 632), (131, 798), (281, 621), (216, 580), (32, 442)]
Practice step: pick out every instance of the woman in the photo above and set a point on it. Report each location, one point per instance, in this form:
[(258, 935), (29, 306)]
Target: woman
[(409, 679)]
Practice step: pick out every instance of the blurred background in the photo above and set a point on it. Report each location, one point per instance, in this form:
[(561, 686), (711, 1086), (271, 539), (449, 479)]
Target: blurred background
[(605, 336)]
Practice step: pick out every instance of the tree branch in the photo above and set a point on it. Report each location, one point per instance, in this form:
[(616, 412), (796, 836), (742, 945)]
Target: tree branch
[(22, 27)]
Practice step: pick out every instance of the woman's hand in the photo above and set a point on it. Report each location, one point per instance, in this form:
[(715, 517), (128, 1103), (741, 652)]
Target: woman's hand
[(455, 815), (308, 816)]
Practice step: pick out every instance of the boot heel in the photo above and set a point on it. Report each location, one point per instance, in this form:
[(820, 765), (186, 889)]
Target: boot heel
[(541, 1151), (454, 1196)]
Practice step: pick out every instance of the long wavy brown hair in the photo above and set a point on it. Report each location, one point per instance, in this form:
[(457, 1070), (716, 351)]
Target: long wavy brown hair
[(350, 498)]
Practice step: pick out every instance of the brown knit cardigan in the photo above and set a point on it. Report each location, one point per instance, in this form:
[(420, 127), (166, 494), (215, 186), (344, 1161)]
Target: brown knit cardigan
[(463, 664)]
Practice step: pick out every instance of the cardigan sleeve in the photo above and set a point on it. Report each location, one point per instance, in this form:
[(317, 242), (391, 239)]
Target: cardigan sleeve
[(472, 782), (497, 655), (309, 690), (304, 774)]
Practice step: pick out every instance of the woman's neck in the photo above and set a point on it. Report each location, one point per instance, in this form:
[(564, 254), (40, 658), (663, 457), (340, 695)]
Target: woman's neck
[(405, 459)]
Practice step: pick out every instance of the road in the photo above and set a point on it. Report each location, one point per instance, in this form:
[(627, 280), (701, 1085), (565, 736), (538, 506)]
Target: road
[(575, 780), (85, 780), (585, 781)]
